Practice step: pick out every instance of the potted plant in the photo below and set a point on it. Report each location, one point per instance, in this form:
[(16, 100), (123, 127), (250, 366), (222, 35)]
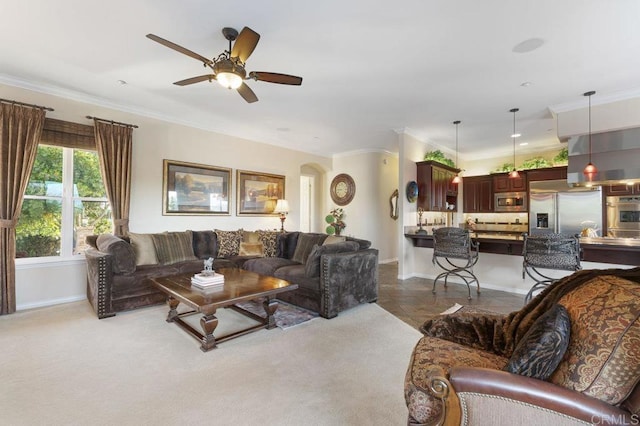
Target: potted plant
[(334, 219)]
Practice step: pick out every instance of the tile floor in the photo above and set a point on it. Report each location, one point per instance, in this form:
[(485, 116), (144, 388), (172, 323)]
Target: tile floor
[(412, 301)]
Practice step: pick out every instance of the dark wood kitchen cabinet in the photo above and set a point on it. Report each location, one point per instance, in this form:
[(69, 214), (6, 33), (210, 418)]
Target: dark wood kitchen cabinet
[(435, 189), (547, 173), (477, 194), (621, 190), (503, 183)]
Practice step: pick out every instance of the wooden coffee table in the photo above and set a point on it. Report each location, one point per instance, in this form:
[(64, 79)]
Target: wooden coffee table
[(239, 286)]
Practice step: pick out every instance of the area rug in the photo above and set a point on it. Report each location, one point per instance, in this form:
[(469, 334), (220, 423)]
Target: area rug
[(62, 366), (286, 315)]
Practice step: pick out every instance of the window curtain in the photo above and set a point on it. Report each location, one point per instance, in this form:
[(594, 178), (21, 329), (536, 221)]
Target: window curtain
[(20, 130), (114, 144)]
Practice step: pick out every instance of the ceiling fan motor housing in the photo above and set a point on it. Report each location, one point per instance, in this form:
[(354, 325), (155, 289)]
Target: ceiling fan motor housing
[(230, 66)]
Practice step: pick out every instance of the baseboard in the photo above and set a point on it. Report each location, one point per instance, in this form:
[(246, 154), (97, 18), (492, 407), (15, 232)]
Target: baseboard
[(50, 302), (488, 286), (384, 261)]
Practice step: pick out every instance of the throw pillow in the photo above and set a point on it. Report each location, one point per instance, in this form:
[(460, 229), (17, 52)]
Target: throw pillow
[(204, 244), (250, 236), (541, 349), (229, 242), (305, 245), (173, 247), (144, 248), (269, 242), (332, 239), (603, 359), (251, 249), (124, 258), (312, 266)]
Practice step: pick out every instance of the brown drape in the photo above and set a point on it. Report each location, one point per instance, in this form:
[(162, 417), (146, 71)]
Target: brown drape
[(20, 130), (114, 144)]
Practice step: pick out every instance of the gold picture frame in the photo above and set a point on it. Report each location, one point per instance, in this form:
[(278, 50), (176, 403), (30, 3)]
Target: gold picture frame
[(257, 193), (195, 189)]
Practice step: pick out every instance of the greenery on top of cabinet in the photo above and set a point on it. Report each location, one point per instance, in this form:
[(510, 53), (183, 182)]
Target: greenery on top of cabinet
[(439, 157)]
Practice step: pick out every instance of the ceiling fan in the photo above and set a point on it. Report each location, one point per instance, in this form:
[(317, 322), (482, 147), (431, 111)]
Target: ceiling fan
[(229, 67)]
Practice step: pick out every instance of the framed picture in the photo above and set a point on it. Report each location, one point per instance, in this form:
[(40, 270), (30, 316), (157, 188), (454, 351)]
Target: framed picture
[(194, 189), (258, 192)]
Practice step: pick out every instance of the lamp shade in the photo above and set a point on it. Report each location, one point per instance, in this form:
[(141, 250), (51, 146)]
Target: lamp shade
[(282, 206)]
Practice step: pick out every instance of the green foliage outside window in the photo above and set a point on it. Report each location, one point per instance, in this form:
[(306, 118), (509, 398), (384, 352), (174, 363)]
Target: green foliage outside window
[(39, 229)]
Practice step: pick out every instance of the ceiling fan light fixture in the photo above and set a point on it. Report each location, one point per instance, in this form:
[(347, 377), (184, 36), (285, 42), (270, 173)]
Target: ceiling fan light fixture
[(229, 80), (229, 74)]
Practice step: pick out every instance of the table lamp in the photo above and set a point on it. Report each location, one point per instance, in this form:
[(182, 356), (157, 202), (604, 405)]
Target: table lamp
[(282, 208)]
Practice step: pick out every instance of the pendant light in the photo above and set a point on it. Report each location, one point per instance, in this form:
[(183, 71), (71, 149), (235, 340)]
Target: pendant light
[(590, 171), (457, 178), (514, 173)]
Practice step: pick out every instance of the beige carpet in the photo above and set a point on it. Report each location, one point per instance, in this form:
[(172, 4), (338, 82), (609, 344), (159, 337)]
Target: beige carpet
[(62, 366)]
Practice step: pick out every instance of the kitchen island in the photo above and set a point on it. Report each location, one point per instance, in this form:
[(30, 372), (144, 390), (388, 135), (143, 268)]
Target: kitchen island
[(621, 251), (500, 263)]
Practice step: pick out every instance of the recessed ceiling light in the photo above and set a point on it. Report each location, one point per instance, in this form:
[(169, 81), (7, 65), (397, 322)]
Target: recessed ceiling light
[(526, 84), (516, 135), (528, 45), (122, 82), (524, 143)]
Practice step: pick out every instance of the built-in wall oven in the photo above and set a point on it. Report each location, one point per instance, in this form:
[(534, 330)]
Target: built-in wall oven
[(623, 217), (510, 202)]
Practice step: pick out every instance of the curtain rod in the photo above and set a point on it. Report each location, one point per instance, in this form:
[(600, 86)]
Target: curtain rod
[(112, 122), (24, 104)]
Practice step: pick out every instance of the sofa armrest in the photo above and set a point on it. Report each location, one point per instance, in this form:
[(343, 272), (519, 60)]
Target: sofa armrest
[(534, 392), (99, 281), (347, 279)]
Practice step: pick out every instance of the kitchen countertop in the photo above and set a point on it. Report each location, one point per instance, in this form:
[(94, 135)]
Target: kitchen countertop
[(622, 251)]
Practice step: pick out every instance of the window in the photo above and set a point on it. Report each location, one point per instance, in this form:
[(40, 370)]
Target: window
[(64, 202)]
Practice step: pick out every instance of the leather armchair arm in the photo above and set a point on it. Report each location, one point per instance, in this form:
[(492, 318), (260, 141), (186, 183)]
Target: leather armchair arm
[(99, 281), (347, 279), (537, 392)]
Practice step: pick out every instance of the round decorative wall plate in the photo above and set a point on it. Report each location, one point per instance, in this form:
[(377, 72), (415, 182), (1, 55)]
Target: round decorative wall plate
[(343, 189), (412, 191)]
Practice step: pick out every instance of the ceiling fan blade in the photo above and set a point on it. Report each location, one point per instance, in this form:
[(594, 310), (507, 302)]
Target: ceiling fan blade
[(246, 92), (180, 49), (245, 44), (197, 79), (272, 77)]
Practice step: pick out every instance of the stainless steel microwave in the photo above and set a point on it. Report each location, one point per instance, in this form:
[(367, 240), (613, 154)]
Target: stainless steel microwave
[(510, 202)]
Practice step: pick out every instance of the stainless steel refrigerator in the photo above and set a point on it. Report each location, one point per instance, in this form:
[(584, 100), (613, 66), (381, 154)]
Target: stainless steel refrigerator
[(556, 207)]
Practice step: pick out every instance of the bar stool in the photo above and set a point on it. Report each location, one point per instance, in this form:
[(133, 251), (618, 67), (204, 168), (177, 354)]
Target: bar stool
[(456, 253), (548, 251)]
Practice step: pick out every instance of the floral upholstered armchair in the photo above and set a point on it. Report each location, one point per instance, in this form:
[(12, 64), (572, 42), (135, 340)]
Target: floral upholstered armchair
[(570, 356)]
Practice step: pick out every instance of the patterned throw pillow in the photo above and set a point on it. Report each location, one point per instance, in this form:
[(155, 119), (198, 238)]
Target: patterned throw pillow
[(173, 247), (229, 242), (603, 360), (541, 349), (268, 240)]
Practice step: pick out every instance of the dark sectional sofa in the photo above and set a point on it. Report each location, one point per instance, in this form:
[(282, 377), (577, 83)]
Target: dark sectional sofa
[(331, 277)]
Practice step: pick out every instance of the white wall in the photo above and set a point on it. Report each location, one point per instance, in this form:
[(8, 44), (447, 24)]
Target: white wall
[(39, 283), (367, 216)]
